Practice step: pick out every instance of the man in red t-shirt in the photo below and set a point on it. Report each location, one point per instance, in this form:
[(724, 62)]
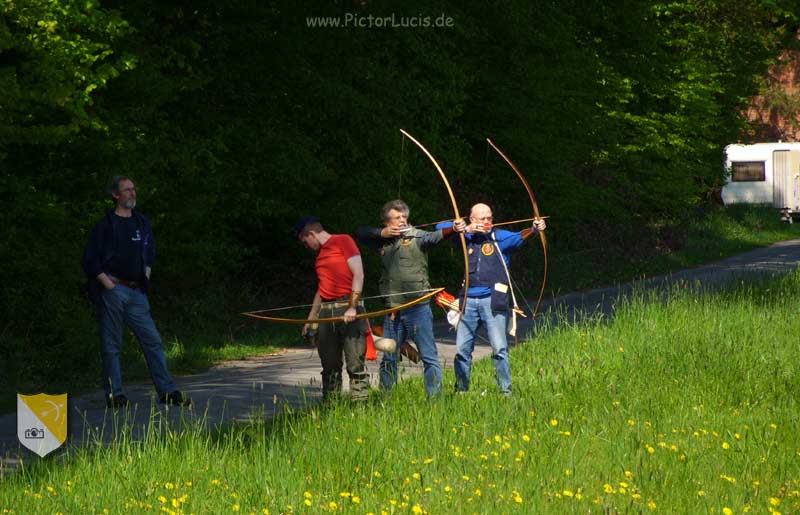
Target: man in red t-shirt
[(341, 278)]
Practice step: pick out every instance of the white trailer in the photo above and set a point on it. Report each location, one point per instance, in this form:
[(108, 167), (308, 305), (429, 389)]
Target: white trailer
[(763, 173)]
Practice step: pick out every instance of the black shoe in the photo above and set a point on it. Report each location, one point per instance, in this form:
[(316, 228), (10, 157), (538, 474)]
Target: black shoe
[(176, 398), (117, 401)]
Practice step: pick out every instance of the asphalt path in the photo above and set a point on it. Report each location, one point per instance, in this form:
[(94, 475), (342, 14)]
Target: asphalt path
[(264, 386)]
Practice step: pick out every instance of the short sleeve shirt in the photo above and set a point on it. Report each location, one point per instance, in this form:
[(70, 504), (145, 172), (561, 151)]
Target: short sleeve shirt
[(333, 272)]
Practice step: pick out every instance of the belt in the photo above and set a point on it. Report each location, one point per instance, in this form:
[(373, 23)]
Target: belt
[(134, 285), (341, 302)]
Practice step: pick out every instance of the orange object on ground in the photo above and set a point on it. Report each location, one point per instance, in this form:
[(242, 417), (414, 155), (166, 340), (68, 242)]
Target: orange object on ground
[(371, 354)]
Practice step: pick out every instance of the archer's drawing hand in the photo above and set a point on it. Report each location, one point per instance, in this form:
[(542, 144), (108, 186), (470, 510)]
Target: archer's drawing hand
[(392, 232)]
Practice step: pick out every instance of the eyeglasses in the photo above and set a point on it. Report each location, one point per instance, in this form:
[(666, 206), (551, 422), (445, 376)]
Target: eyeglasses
[(128, 190)]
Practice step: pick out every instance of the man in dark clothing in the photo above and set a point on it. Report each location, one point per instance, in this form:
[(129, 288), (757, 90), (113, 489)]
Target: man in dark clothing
[(117, 263)]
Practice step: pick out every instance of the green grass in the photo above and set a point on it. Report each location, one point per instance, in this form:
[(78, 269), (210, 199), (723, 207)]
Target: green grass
[(718, 234), (686, 404)]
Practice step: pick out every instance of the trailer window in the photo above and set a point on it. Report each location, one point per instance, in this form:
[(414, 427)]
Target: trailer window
[(747, 171)]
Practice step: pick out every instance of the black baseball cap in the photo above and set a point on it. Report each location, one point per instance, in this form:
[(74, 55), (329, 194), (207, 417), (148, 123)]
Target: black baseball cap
[(302, 223)]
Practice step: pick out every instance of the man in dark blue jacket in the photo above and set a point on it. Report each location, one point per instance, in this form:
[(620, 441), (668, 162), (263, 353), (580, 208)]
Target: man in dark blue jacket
[(487, 297), (117, 263)]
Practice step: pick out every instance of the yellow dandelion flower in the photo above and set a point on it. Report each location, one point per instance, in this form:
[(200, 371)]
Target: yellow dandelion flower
[(737, 436), (265, 511), (498, 438), (774, 501), (235, 507), (651, 505), (517, 498), (356, 499), (526, 438), (608, 488), (553, 422), (567, 472), (415, 475), (344, 494), (188, 483), (701, 493), (727, 511), (650, 449), (307, 494), (169, 486), (215, 482), (162, 499), (448, 488), (332, 505), (628, 474), (478, 492), (376, 473), (428, 461), (465, 477), (307, 502), (568, 493), (726, 445), (631, 422)]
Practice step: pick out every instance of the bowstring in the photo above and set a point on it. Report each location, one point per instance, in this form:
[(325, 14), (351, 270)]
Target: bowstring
[(362, 298)]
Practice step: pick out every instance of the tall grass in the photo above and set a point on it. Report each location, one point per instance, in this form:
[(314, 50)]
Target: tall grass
[(684, 403)]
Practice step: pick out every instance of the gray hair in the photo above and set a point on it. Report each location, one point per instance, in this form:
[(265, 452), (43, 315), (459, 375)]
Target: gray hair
[(113, 184), (397, 205)]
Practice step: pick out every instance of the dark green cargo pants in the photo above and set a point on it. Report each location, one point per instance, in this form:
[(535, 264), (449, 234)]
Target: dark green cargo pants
[(335, 339)]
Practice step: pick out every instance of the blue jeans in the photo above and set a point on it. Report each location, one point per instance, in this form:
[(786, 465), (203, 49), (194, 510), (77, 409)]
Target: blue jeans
[(414, 323), (117, 308), (479, 310)]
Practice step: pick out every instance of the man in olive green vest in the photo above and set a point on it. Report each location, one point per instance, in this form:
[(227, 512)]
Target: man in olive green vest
[(404, 277)]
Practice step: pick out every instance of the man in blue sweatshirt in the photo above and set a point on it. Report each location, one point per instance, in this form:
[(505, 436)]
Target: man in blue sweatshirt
[(117, 262), (487, 298)]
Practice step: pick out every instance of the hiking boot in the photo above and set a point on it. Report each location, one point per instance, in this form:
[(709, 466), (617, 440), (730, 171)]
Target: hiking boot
[(117, 401), (176, 398)]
